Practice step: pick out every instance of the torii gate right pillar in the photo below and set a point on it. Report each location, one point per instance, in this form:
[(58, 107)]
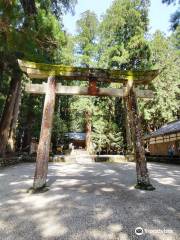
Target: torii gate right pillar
[(143, 181)]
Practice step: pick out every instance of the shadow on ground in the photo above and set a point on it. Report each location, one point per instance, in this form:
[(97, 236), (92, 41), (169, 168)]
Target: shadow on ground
[(94, 201)]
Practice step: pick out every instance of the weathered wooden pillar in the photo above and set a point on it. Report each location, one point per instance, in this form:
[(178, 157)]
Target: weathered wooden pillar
[(143, 181), (45, 136), (128, 127)]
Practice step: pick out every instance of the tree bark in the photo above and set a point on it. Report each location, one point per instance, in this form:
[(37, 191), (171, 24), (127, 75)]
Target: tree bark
[(12, 133), (143, 181), (8, 111), (45, 136), (1, 69), (29, 7), (88, 131)]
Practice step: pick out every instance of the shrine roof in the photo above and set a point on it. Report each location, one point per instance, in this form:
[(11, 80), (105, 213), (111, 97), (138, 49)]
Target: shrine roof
[(169, 128), (76, 136)]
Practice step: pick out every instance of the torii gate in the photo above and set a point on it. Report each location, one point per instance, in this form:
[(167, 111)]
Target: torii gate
[(130, 79)]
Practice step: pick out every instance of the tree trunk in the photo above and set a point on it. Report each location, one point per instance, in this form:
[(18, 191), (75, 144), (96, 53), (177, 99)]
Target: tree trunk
[(1, 69), (29, 7), (88, 131), (29, 124), (45, 136), (12, 133), (143, 181), (8, 111)]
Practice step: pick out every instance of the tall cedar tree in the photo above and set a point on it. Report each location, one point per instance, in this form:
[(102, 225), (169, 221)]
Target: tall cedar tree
[(31, 33)]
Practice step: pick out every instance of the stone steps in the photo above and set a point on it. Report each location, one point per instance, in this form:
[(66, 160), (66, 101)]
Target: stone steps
[(79, 156)]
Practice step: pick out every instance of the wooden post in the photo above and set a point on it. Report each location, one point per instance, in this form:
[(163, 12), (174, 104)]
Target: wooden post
[(128, 127), (45, 136), (143, 181)]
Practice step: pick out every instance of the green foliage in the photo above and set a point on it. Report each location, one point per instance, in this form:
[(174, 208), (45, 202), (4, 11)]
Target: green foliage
[(41, 40), (119, 42), (78, 107), (175, 17), (164, 107), (175, 20), (30, 108), (58, 7), (60, 127), (170, 1), (33, 30), (106, 136), (175, 39), (122, 39), (87, 30), (37, 37), (68, 54)]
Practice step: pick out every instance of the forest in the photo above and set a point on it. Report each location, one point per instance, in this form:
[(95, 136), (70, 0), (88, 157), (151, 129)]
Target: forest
[(33, 30)]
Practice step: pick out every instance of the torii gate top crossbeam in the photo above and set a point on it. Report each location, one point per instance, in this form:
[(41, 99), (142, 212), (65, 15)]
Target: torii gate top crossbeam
[(41, 71)]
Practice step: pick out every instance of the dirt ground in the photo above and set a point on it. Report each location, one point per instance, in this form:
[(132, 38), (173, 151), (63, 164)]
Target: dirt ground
[(90, 202)]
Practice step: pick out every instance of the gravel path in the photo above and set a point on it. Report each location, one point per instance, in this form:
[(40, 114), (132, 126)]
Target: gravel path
[(90, 202)]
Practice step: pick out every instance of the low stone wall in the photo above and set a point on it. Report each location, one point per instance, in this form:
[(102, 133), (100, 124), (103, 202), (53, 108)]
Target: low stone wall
[(13, 160), (8, 161), (97, 158), (164, 159), (114, 158)]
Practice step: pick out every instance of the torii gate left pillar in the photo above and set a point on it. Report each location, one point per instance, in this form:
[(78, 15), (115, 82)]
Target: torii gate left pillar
[(45, 136)]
